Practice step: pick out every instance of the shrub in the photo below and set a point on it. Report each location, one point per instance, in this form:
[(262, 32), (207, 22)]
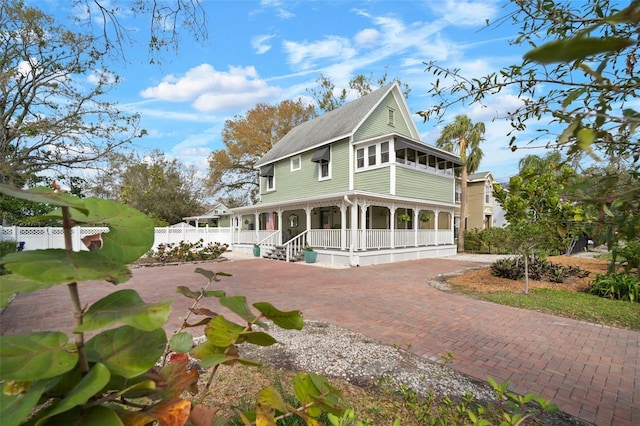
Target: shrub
[(628, 255), (616, 286), (485, 241), (540, 269), (188, 252)]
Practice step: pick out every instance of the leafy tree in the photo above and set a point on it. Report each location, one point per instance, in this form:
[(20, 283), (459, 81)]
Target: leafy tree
[(246, 139), (609, 190), (164, 189), (580, 77), (328, 98), (464, 137), (538, 194), (50, 121)]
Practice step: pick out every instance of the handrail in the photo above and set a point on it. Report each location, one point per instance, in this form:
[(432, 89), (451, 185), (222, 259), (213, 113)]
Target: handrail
[(270, 236), (295, 245)]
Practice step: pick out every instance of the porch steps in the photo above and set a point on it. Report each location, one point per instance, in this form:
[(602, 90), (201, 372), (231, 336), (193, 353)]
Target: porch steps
[(279, 253)]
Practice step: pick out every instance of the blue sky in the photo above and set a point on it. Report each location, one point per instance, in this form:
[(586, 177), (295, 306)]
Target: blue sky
[(272, 50)]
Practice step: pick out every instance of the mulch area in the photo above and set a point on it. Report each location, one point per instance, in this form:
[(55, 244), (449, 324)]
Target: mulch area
[(481, 280)]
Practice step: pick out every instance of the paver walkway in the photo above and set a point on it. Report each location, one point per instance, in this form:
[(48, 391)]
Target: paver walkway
[(589, 371)]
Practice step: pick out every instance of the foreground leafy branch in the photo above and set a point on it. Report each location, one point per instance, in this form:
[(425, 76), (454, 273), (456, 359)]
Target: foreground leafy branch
[(115, 377)]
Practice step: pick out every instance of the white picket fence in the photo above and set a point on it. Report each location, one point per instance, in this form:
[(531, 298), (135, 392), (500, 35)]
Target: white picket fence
[(36, 238)]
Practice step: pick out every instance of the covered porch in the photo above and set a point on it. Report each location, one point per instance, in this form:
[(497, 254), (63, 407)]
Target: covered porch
[(353, 229)]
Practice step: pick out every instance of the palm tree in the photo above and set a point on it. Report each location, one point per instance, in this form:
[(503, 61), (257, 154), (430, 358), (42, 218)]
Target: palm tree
[(463, 137)]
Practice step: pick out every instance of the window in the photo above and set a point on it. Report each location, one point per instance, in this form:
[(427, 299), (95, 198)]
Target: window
[(411, 157), (400, 156), (487, 193), (422, 161), (372, 155), (458, 192), (432, 163), (322, 156), (384, 152), (391, 118), (324, 169), (360, 158), (268, 173), (296, 163)]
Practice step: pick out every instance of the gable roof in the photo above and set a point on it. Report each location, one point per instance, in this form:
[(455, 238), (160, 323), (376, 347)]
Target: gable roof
[(334, 125), (479, 176)]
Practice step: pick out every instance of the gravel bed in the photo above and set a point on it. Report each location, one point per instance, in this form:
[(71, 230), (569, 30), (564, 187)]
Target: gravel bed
[(336, 352)]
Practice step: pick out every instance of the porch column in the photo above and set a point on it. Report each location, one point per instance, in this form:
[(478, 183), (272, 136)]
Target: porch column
[(343, 226), (451, 226), (436, 213), (354, 225), (416, 211), (392, 225), (363, 225), (307, 211), (279, 226), (257, 225)]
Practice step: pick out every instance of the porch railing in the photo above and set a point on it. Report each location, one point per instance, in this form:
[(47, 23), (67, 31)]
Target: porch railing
[(295, 245), (324, 238), (272, 240), (250, 237)]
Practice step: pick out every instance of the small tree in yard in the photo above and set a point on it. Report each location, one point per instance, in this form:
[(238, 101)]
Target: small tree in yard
[(524, 238)]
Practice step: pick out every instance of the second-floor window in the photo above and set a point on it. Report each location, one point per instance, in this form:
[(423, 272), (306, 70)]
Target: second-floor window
[(296, 163), (372, 155), (268, 173), (487, 192), (322, 156), (458, 193)]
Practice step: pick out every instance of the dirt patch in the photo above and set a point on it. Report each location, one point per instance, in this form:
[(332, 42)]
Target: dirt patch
[(482, 281)]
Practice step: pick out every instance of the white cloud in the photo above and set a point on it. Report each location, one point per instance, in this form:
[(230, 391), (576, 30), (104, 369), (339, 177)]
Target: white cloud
[(306, 54), (367, 37), (466, 13), (210, 90), (260, 45)]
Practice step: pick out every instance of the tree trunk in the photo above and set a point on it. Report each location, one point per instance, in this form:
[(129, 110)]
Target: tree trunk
[(463, 209)]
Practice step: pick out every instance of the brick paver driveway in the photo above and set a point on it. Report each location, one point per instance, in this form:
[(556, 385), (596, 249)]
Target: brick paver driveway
[(589, 371)]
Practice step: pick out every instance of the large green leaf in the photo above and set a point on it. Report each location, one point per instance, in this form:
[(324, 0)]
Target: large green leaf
[(90, 385), (44, 195), (221, 332), (289, 320), (258, 338), (181, 342), (36, 356), (11, 284), (127, 351), (95, 416), (571, 49), (15, 408), (238, 305), (130, 233), (185, 291), (57, 266), (125, 306)]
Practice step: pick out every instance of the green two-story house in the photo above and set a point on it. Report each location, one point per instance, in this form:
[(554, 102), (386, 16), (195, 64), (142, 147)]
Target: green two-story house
[(357, 185)]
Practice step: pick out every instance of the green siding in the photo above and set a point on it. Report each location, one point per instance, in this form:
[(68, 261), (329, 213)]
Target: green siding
[(378, 122), (376, 180), (422, 185), (304, 182), (224, 221)]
